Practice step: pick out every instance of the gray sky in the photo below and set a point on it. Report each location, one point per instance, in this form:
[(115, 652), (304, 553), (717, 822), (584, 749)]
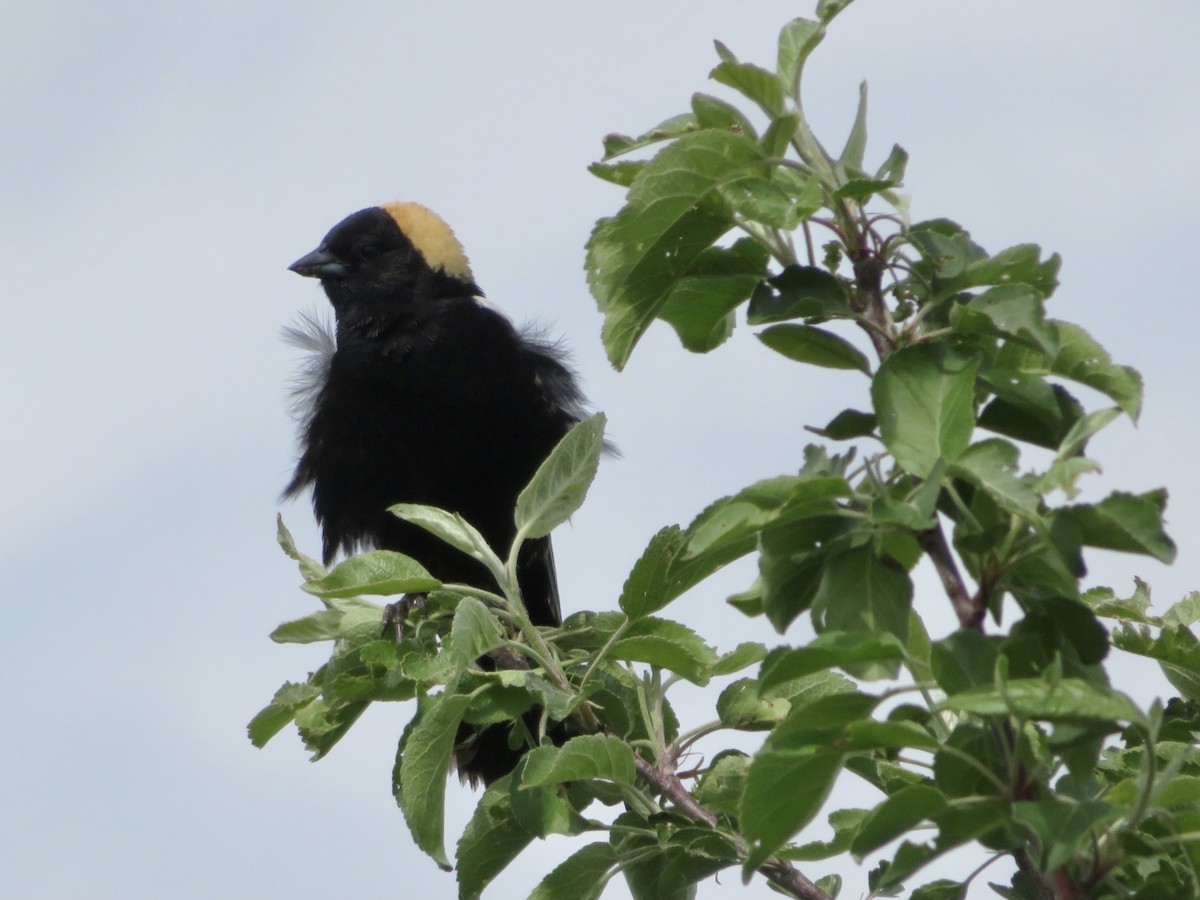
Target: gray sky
[(164, 163)]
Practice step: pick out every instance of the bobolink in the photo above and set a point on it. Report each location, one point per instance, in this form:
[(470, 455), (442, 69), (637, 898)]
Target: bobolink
[(424, 394)]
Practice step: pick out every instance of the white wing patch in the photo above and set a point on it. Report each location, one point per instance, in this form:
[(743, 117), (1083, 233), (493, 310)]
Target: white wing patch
[(312, 333)]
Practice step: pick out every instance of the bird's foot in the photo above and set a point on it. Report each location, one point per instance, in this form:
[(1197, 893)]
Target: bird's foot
[(503, 658), (396, 614)]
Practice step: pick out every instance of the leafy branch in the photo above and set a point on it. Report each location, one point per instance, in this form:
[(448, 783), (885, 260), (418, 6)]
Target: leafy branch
[(1009, 737)]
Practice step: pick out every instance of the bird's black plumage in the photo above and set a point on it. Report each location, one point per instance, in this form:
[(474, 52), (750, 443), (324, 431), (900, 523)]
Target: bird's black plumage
[(425, 395)]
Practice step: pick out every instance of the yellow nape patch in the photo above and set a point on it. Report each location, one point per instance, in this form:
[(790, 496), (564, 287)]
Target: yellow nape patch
[(432, 237)]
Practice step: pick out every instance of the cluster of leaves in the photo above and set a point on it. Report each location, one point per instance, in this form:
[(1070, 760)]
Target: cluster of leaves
[(1014, 741)]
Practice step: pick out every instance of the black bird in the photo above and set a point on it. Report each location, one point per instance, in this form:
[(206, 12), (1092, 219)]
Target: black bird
[(425, 395)]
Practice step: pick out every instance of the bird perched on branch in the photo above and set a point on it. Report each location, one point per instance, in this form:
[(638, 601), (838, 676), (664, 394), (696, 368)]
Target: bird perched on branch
[(425, 394)]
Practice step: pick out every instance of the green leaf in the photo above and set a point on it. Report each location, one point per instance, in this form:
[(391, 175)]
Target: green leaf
[(491, 841), (964, 660), (700, 305), (956, 826), (474, 632), (750, 601), (581, 758), (1064, 475), (1128, 522), (798, 291), (1028, 408), (785, 790), (810, 691), (582, 876), (797, 40), (970, 765), (1035, 698), (827, 9), (897, 735), (779, 134), (559, 703), (648, 589), (661, 859), (1061, 825), (862, 189), (735, 521), (543, 810), (919, 649), (280, 711), (1020, 264), (911, 508), (1069, 623), (589, 631), (502, 697), (892, 170), (923, 396), (669, 645), (665, 571), (619, 173), (806, 193), (849, 424), (667, 130), (804, 343), (561, 483), (899, 813), (754, 83), (423, 768), (861, 591), (318, 626), (309, 567), (741, 707), (856, 143), (1050, 574), (743, 655), (382, 572), (1012, 311), (826, 651), (791, 562), (1081, 359), (712, 112), (942, 889), (947, 247), (361, 619), (723, 52), (1075, 440), (845, 824), (322, 723), (1180, 792), (824, 707), (720, 788), (673, 213), (1185, 612), (756, 198), (992, 466), (450, 527), (1175, 648), (1135, 608)]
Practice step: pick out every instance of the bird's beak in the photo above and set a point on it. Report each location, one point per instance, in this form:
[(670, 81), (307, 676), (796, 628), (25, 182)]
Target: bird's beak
[(319, 264)]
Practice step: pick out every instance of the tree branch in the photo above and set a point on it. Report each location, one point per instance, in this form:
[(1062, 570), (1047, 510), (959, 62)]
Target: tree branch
[(970, 610), (785, 876), (675, 790), (868, 277), (778, 871), (1040, 885)]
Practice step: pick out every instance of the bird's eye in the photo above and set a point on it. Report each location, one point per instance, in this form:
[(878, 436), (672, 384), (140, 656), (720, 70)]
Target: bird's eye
[(370, 251)]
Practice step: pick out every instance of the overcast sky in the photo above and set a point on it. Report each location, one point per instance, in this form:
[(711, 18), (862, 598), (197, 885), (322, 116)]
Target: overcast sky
[(164, 163)]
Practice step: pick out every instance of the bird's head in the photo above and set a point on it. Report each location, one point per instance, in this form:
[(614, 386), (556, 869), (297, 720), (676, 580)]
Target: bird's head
[(395, 253)]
